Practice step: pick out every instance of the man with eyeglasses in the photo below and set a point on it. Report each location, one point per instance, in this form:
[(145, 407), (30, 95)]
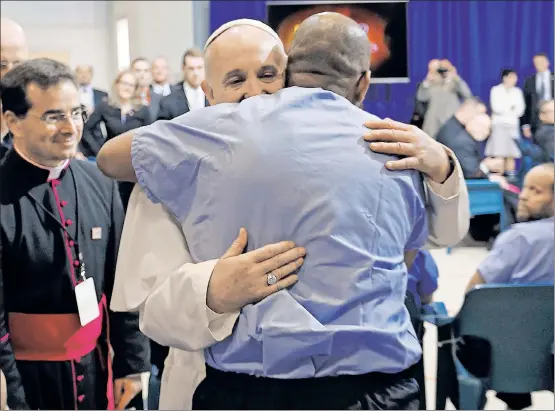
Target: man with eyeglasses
[(60, 229)]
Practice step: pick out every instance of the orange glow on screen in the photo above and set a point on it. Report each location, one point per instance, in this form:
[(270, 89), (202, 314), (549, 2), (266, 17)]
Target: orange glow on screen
[(370, 22)]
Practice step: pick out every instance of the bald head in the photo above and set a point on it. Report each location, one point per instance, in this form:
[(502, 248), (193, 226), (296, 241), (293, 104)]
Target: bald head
[(13, 45), (243, 61), (536, 197), (330, 51)]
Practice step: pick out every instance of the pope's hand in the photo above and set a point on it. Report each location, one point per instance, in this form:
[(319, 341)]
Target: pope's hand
[(240, 279), (419, 151)]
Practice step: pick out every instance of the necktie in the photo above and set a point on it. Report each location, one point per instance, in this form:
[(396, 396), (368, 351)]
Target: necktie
[(542, 87)]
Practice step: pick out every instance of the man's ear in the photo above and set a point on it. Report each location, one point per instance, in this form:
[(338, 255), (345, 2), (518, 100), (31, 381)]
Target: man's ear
[(208, 92), (13, 122), (362, 86)]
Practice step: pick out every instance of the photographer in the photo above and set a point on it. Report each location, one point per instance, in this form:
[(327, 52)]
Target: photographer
[(443, 90)]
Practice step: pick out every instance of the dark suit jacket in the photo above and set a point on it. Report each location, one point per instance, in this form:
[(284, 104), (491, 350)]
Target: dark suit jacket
[(92, 138), (154, 105), (98, 96), (174, 104), (532, 99), (453, 135), (111, 117), (545, 140)]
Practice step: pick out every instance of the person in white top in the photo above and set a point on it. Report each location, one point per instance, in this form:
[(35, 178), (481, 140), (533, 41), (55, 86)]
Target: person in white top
[(507, 106)]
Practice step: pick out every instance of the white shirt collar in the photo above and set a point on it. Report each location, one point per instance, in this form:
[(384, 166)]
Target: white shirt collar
[(195, 96), (163, 89), (54, 172)]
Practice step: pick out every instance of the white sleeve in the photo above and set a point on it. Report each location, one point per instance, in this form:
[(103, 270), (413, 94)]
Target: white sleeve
[(448, 208), (520, 105), (500, 104), (155, 275)]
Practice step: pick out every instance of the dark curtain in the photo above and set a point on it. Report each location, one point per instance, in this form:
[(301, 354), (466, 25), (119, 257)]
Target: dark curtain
[(479, 37)]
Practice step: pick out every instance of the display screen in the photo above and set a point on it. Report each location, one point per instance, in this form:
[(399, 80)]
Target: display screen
[(384, 21)]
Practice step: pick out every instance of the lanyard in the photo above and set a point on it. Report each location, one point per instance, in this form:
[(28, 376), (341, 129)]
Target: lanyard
[(82, 270)]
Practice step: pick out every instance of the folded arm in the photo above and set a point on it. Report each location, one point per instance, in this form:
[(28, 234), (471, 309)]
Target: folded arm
[(155, 276), (498, 267), (184, 305), (114, 158)]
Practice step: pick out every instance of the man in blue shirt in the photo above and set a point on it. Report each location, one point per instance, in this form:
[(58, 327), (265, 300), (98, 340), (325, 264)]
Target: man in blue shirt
[(341, 337), (524, 253)]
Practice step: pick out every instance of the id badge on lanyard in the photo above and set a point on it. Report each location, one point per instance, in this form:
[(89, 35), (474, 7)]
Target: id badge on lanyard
[(85, 295)]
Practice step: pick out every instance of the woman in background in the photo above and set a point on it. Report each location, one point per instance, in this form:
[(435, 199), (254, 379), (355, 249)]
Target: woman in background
[(507, 106), (122, 112)]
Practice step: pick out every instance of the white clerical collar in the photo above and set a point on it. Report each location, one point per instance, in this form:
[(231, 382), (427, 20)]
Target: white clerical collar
[(54, 172)]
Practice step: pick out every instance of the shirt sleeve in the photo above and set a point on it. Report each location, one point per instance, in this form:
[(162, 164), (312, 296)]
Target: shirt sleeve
[(448, 207), (429, 274), (501, 261), (168, 155), (419, 234)]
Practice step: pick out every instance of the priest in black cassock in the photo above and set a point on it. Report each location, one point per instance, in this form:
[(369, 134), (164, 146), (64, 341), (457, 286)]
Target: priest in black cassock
[(61, 221)]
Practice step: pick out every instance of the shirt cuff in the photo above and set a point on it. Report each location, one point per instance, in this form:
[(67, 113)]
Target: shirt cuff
[(450, 188), (220, 326)]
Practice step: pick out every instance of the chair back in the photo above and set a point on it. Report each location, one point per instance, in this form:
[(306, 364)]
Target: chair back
[(517, 321)]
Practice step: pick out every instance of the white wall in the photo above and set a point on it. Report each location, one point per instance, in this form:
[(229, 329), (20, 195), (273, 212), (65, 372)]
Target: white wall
[(158, 28), (85, 30), (79, 29)]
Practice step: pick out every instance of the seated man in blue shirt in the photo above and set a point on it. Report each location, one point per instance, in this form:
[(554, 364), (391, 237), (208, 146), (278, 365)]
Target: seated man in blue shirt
[(524, 253), (341, 337)]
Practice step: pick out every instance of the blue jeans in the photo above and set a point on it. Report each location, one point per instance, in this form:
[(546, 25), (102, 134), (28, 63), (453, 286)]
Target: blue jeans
[(154, 388)]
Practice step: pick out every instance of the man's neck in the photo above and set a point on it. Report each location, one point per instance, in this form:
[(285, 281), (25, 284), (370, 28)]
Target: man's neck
[(543, 71), (188, 85), (85, 85), (40, 163)]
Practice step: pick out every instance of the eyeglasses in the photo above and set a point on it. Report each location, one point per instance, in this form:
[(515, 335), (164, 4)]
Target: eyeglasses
[(55, 119)]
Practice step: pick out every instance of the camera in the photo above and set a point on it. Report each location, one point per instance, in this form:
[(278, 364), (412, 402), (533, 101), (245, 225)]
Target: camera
[(443, 71)]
